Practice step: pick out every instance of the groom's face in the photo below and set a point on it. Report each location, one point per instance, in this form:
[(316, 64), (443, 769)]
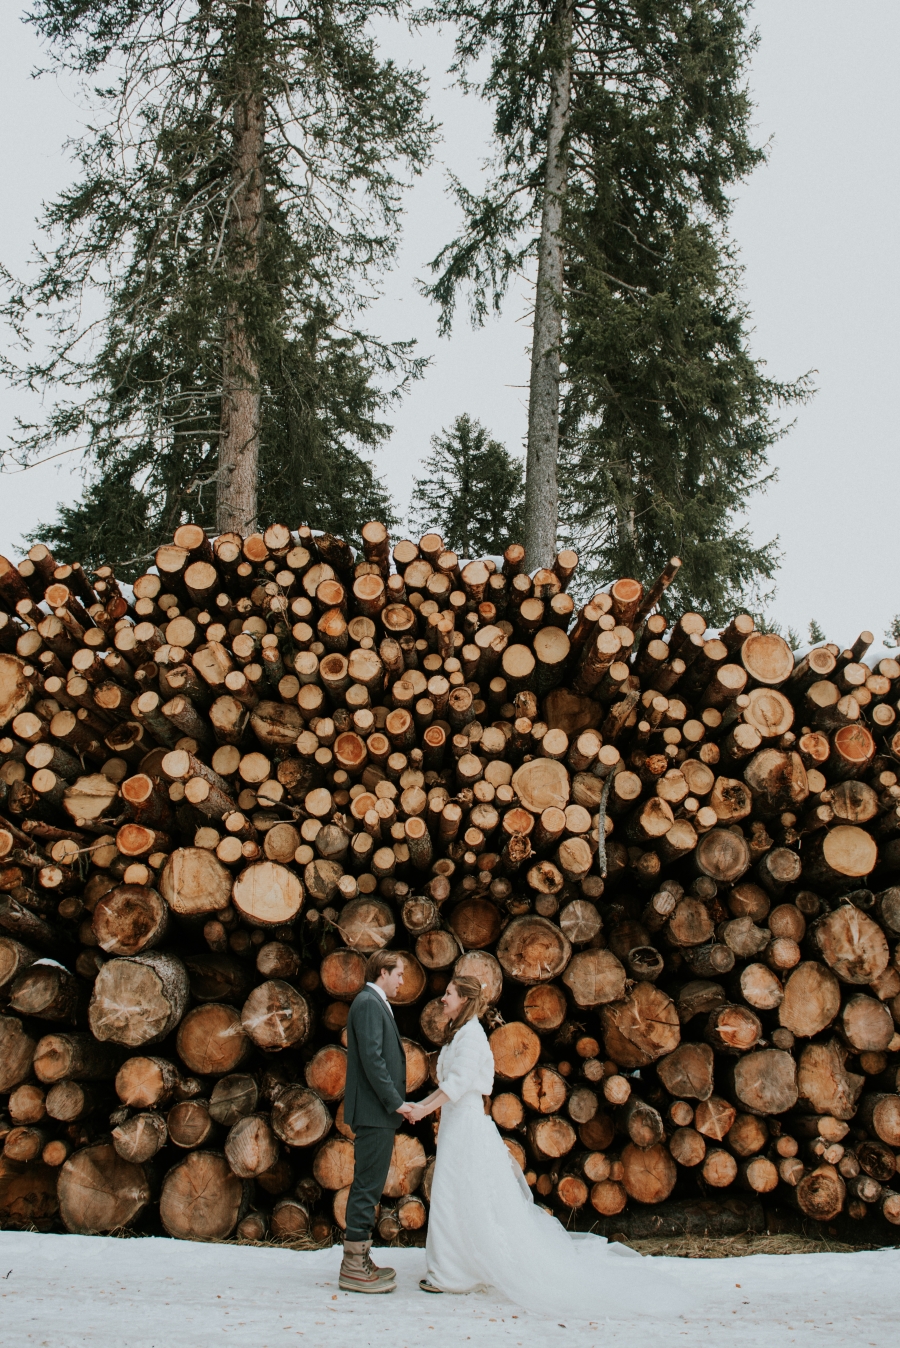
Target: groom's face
[(392, 980)]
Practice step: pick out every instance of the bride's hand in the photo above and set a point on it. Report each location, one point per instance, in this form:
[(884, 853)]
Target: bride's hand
[(416, 1114)]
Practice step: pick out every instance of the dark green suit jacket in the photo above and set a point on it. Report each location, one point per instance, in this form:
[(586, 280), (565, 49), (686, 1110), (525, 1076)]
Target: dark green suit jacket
[(376, 1065)]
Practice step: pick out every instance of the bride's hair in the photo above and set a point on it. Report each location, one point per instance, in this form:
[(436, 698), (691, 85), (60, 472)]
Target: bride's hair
[(473, 992)]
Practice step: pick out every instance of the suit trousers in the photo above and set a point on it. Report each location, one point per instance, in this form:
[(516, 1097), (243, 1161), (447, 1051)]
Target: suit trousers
[(372, 1160)]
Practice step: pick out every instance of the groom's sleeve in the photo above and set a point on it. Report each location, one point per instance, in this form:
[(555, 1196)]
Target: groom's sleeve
[(370, 1035)]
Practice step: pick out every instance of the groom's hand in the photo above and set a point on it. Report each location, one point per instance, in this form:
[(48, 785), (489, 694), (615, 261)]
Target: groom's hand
[(407, 1109)]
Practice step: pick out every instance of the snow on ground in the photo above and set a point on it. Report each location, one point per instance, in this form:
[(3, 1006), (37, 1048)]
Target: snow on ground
[(94, 1292)]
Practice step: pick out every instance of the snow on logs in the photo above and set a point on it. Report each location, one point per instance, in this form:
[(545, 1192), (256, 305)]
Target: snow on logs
[(672, 860)]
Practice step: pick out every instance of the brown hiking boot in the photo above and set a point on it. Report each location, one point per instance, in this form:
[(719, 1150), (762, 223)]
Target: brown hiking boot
[(385, 1274), (358, 1273)]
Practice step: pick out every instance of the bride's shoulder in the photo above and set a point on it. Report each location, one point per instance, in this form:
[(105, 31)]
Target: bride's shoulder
[(476, 1031)]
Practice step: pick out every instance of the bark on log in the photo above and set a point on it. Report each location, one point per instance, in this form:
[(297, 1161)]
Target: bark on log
[(139, 1000)]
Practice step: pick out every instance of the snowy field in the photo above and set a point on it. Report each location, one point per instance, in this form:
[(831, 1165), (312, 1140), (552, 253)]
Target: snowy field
[(92, 1292)]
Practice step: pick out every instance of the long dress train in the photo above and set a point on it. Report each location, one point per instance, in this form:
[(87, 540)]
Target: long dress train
[(485, 1230)]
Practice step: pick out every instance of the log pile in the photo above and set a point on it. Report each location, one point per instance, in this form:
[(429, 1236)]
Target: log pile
[(669, 857)]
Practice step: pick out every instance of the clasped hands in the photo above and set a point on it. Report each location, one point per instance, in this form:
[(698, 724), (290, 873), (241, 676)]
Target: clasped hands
[(412, 1112)]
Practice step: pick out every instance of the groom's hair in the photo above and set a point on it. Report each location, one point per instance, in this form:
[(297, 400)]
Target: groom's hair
[(381, 960)]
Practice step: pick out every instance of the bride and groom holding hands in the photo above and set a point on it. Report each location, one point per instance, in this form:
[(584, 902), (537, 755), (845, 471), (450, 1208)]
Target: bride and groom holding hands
[(484, 1228)]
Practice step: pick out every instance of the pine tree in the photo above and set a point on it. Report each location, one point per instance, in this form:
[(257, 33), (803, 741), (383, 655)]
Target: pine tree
[(472, 491), (621, 128), (236, 202), (816, 634)]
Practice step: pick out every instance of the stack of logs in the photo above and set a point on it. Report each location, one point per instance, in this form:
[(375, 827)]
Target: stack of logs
[(668, 857)]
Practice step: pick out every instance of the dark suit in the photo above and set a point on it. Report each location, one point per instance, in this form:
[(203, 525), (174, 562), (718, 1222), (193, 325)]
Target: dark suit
[(376, 1087)]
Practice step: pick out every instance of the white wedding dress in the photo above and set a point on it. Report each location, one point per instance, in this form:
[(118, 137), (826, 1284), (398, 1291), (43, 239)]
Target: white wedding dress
[(484, 1229)]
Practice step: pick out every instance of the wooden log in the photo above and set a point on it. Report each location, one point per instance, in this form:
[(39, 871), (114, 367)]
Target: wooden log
[(642, 1123), (211, 1040), (326, 1072), (851, 943), (841, 854), (139, 1000), (778, 781), (475, 923), (146, 1083), (14, 957), (343, 974), (533, 950), (551, 1137), (688, 1147), (300, 1117), (641, 1028), (46, 992), (407, 1166), (233, 1097), (290, 1221), (194, 882), (821, 1194), (714, 1118), (130, 919), (648, 1174), (333, 1164), (436, 949), (544, 1090), (765, 1081), (28, 1198), (543, 1007), (722, 855), (688, 1071), (608, 1197), (251, 1147), (880, 1114), (140, 1138), (15, 688), (516, 1049), (99, 1191), (189, 1124), (201, 1199), (276, 1016), (867, 1024), (268, 894), (733, 1029), (73, 1057), (594, 978), (767, 658), (218, 978), (812, 999), (719, 1168)]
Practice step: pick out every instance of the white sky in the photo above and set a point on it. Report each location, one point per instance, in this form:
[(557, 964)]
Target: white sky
[(816, 227)]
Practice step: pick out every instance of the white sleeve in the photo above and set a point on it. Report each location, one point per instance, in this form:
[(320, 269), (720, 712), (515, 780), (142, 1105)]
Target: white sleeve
[(469, 1065)]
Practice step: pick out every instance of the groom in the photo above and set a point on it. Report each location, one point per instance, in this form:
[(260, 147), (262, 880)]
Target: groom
[(374, 1108)]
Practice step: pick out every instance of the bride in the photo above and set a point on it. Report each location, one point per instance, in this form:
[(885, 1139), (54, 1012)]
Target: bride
[(484, 1229)]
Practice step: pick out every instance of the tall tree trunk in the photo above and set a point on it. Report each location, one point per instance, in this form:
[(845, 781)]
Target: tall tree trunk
[(240, 420), (541, 487)]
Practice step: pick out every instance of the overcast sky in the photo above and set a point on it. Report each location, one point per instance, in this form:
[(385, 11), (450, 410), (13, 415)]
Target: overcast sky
[(817, 229)]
